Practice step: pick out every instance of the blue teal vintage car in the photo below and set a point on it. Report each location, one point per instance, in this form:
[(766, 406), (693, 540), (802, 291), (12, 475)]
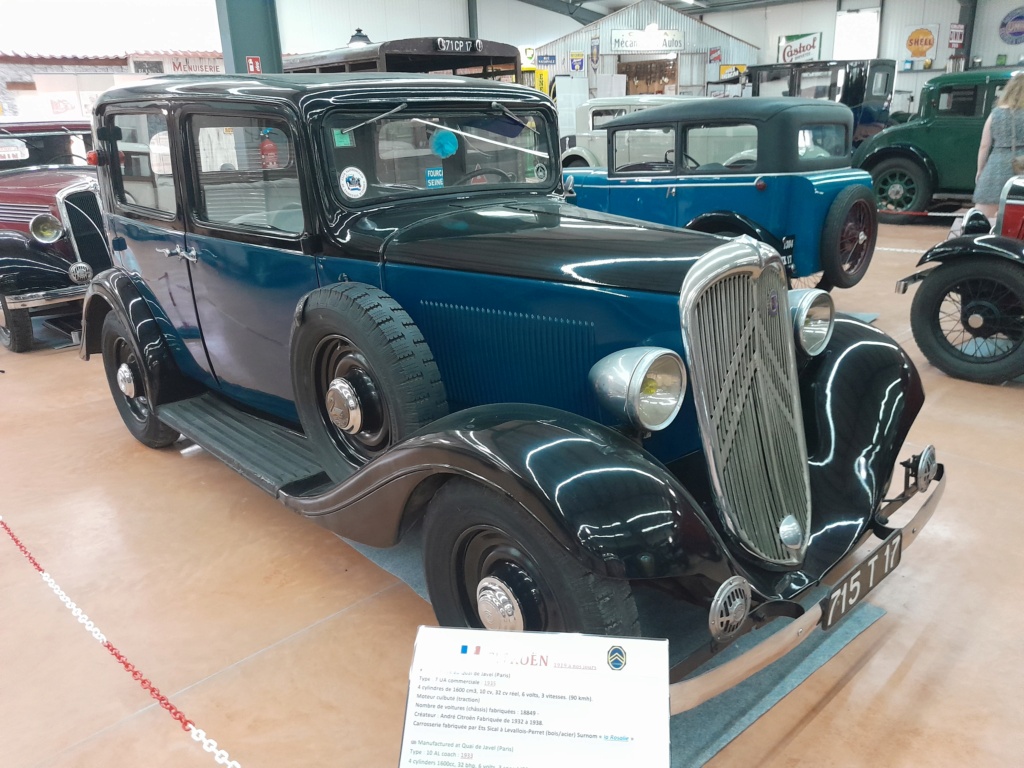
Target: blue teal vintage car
[(776, 169), (368, 295)]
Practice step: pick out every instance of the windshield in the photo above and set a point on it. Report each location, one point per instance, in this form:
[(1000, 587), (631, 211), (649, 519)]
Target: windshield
[(51, 148), (414, 154)]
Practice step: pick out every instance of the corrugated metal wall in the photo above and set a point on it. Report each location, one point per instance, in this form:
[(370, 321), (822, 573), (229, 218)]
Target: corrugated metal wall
[(697, 38), (986, 42)]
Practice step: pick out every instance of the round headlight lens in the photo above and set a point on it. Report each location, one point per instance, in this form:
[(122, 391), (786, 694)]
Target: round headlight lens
[(814, 315), (658, 390), (46, 228), (643, 385)]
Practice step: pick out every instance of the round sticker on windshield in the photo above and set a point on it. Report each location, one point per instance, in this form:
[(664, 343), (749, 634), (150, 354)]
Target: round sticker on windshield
[(353, 182), (540, 171)]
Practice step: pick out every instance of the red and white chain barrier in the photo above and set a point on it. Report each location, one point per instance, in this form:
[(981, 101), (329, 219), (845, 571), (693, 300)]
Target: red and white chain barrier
[(220, 756)]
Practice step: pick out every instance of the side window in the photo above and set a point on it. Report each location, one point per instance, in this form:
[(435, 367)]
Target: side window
[(958, 100), (722, 147), (601, 116), (880, 84), (817, 141), (144, 155), (245, 173), (645, 151)]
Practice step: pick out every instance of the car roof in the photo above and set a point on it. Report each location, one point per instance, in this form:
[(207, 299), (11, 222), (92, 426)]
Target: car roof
[(752, 108), (627, 101), (980, 75), (297, 87)]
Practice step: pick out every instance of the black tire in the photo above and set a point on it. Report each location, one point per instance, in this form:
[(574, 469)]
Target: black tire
[(359, 333), (471, 533), (901, 186), (575, 162), (119, 348), (848, 237), (16, 332), (968, 319)]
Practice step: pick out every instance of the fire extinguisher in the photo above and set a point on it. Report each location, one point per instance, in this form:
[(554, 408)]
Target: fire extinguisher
[(268, 150)]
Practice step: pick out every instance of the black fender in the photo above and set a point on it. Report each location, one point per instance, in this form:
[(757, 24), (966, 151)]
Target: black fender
[(973, 246), (715, 222), (28, 266), (906, 151), (860, 397), (114, 291), (607, 501)]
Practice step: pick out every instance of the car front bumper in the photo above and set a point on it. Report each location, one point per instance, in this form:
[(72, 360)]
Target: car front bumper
[(35, 299), (691, 692)]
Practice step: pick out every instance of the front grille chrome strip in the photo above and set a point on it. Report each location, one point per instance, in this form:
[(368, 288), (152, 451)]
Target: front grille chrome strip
[(739, 342), (20, 213)]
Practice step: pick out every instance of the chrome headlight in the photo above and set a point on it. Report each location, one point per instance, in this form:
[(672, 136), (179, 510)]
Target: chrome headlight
[(646, 385), (814, 316), (46, 228)]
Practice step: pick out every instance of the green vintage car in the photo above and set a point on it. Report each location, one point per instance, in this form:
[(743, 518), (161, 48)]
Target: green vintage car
[(933, 155)]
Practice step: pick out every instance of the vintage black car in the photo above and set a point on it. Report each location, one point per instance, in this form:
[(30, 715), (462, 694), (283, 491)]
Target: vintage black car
[(366, 294), (51, 239)]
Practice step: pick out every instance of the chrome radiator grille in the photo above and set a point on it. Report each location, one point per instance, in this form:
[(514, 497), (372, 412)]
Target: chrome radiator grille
[(739, 340), (21, 213)]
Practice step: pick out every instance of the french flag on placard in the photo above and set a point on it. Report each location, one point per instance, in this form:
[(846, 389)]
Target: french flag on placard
[(476, 650)]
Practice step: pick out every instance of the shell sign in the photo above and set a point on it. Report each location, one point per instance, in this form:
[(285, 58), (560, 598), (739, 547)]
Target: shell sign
[(921, 41)]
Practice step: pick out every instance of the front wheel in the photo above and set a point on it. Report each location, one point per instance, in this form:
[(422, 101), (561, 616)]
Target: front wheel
[(968, 319), (901, 186), (16, 330), (128, 382), (490, 565)]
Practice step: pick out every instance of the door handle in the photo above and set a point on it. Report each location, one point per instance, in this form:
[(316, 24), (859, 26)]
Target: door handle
[(167, 252), (189, 254)]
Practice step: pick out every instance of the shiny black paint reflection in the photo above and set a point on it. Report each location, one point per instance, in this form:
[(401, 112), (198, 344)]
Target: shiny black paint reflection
[(26, 265), (972, 246), (114, 291), (610, 503)]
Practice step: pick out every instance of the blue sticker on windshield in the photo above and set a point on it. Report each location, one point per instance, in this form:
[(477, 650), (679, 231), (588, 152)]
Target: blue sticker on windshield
[(435, 178)]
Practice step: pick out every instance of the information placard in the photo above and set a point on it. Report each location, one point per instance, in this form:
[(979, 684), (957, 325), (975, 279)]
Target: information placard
[(480, 699)]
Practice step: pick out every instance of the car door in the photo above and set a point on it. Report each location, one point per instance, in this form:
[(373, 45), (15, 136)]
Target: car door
[(642, 173), (147, 220), (250, 255), (959, 118)]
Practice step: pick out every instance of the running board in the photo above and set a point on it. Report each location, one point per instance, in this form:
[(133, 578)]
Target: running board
[(268, 454)]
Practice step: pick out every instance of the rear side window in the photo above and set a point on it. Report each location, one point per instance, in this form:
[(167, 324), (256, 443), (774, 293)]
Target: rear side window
[(826, 140), (717, 148), (602, 116), (245, 173), (143, 150), (958, 100), (645, 151)]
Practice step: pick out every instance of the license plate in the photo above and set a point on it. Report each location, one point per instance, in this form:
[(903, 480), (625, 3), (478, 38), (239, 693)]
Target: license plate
[(862, 579)]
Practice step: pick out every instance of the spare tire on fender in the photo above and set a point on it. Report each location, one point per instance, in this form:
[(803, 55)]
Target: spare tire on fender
[(848, 237), (363, 376)]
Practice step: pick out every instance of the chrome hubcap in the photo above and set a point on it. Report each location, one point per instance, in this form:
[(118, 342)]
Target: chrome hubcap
[(497, 605), (862, 237), (896, 191), (125, 380), (975, 321), (343, 406)]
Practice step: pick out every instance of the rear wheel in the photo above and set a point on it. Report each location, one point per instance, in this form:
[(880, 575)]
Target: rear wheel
[(128, 382), (575, 162), (848, 237), (490, 565), (901, 186), (16, 330), (968, 319)]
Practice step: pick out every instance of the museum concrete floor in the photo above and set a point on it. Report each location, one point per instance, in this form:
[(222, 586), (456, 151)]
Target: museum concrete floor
[(291, 649)]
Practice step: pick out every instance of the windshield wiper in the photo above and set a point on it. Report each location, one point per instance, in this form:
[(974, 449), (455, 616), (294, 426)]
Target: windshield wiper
[(509, 113), (399, 108)]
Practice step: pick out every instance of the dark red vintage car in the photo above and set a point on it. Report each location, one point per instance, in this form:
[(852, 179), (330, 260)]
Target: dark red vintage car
[(51, 240)]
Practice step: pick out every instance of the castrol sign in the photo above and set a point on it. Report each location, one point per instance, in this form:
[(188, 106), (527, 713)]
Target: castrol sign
[(806, 47)]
